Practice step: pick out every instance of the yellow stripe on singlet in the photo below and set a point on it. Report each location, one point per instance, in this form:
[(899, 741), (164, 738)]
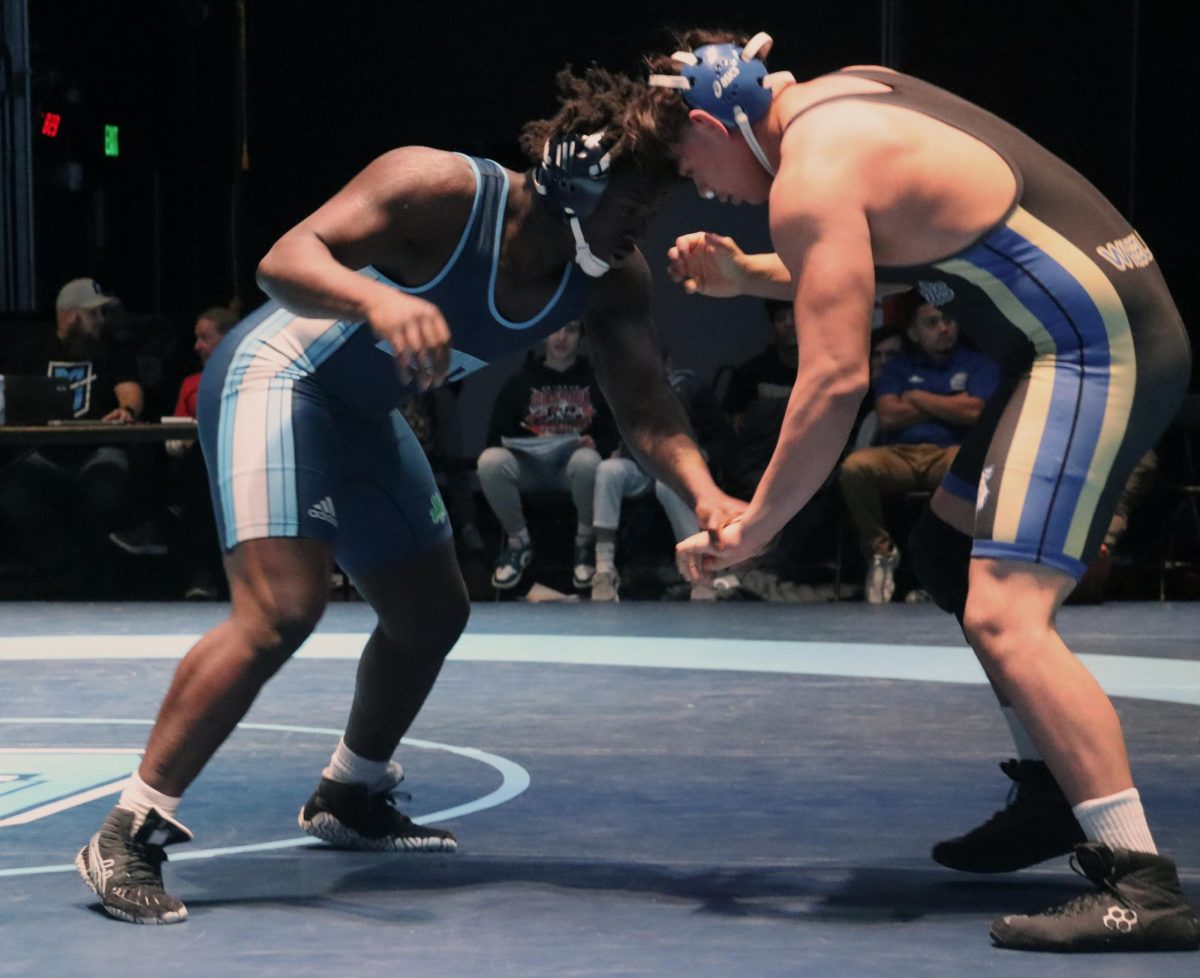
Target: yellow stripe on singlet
[(1122, 380), (1027, 437), (1032, 423)]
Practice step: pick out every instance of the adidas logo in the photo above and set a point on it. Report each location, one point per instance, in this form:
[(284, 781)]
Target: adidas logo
[(324, 510)]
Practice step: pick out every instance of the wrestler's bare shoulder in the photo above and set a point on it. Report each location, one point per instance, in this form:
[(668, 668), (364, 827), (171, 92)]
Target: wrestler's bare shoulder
[(410, 170)]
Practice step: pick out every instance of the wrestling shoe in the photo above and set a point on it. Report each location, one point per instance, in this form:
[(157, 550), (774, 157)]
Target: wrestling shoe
[(1138, 905), (606, 586), (1036, 824), (510, 566), (124, 868), (348, 816)]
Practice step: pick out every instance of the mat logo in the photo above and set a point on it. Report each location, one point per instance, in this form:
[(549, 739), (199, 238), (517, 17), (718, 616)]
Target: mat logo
[(37, 782)]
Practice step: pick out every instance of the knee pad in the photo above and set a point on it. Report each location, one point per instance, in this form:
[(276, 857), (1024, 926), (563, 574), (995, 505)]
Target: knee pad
[(941, 556)]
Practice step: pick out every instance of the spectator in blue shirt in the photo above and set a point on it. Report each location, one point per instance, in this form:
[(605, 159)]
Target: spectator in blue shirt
[(927, 398)]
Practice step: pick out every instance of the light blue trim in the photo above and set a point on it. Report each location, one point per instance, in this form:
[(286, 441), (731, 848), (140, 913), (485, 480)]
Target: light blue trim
[(248, 349), (462, 241), (491, 292)]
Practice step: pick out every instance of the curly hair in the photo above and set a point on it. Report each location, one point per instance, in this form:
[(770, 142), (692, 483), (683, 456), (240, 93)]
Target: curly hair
[(615, 103)]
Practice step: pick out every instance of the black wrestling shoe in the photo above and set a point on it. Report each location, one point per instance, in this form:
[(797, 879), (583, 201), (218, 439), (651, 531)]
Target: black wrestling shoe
[(124, 868), (1138, 905), (347, 816), (1036, 824)]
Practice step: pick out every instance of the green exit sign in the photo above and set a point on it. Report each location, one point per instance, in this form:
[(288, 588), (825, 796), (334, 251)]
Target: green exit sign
[(112, 141)]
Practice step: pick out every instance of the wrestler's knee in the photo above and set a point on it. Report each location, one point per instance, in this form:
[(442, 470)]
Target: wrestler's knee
[(1005, 632)]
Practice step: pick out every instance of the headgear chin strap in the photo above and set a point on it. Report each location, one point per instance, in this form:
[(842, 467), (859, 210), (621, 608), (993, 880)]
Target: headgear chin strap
[(573, 176), (730, 83)]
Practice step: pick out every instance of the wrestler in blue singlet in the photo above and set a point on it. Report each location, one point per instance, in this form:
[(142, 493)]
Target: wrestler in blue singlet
[(297, 416)]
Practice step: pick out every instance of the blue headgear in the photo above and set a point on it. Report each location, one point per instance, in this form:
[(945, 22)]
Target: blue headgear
[(728, 82), (573, 176)]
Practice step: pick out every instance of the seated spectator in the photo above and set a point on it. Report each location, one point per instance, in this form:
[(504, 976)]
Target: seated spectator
[(188, 506), (619, 477), (59, 502), (886, 342), (549, 428), (756, 399), (926, 399), (210, 328)]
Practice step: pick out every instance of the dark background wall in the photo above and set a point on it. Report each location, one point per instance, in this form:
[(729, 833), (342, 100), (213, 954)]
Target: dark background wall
[(238, 119)]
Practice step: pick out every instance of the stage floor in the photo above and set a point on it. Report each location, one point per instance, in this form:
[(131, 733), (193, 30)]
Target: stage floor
[(663, 790)]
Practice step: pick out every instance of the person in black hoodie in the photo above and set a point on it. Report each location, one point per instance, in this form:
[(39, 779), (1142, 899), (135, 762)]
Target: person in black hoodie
[(550, 428)]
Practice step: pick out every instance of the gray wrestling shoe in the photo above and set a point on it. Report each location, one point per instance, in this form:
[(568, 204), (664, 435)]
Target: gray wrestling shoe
[(124, 868), (1137, 905)]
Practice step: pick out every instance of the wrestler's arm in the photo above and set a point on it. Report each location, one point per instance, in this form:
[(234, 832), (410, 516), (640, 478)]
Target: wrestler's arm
[(629, 366), (711, 264), (820, 229), (376, 217), (310, 269)]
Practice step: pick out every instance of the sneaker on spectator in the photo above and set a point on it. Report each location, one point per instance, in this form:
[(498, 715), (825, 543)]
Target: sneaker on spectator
[(585, 565), (510, 566), (918, 595), (606, 586), (201, 588), (726, 584), (881, 577), (142, 540)]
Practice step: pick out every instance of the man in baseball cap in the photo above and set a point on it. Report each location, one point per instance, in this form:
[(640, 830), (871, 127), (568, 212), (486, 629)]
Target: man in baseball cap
[(82, 293)]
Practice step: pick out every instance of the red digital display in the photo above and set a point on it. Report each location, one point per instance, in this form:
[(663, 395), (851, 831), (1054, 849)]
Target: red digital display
[(50, 124)]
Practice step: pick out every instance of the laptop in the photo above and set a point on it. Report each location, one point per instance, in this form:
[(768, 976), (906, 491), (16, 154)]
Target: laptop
[(34, 399)]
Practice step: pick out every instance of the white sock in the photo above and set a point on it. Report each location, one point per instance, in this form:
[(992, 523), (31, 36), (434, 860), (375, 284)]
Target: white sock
[(1117, 820), (1026, 748), (138, 797), (583, 534), (349, 768), (520, 539), (606, 556)]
